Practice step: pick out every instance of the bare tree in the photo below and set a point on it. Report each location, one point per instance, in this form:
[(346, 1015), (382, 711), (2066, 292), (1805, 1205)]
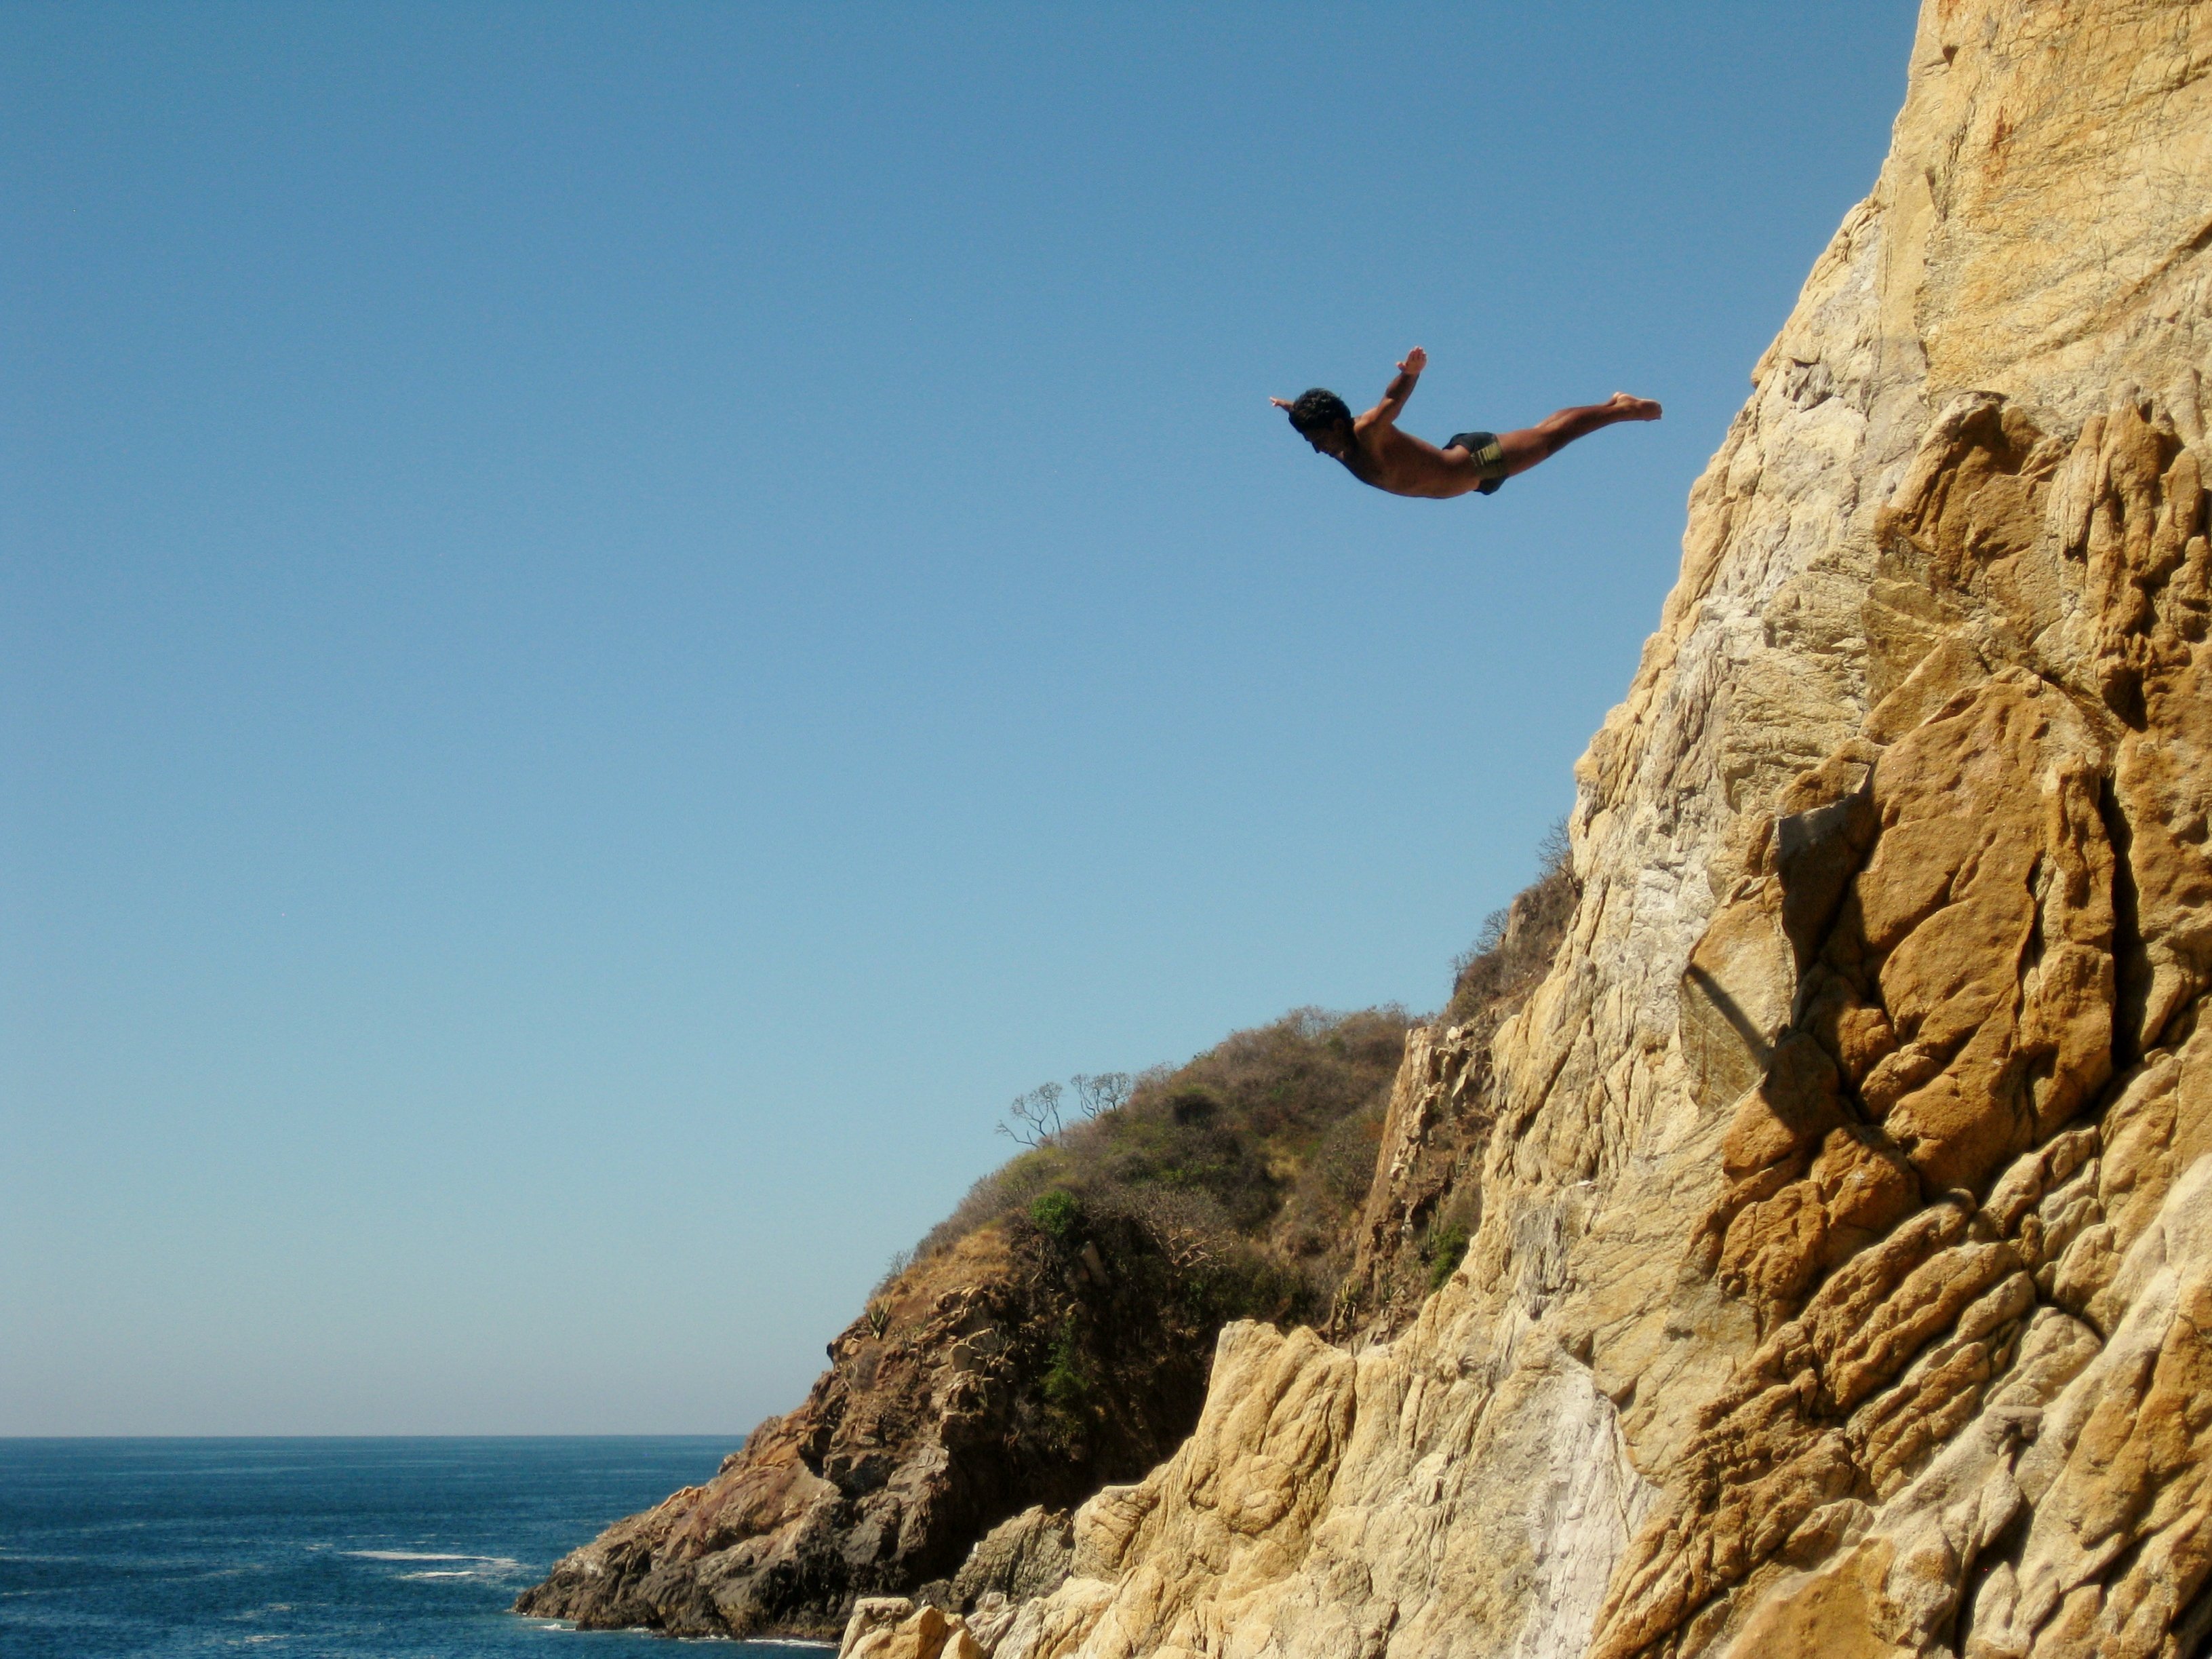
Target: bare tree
[(1105, 1092), (1037, 1116), (1034, 1118)]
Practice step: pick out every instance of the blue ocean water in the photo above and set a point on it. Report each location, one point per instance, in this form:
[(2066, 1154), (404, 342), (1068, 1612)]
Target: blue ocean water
[(318, 1549)]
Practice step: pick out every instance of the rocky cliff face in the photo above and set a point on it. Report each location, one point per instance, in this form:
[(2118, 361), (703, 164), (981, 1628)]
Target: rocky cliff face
[(1843, 1282)]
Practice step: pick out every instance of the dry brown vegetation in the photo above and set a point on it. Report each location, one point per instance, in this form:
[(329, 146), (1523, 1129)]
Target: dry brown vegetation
[(1245, 1168), (1517, 944)]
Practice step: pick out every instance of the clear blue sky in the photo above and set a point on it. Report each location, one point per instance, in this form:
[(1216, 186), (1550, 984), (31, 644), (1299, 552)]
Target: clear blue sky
[(618, 621)]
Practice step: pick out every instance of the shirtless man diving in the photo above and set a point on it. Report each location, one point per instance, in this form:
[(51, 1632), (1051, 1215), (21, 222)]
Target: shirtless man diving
[(1375, 453)]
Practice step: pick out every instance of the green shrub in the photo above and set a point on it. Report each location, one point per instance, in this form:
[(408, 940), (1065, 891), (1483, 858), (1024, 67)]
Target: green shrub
[(1054, 1211), (1066, 1381), (1442, 1252)]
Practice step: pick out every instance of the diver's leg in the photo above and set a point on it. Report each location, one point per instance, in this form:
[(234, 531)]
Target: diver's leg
[(1531, 444)]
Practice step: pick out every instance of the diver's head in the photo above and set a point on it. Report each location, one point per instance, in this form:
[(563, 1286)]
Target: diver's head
[(1323, 420)]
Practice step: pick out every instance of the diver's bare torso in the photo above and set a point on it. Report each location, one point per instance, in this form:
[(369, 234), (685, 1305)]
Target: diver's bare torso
[(1406, 465)]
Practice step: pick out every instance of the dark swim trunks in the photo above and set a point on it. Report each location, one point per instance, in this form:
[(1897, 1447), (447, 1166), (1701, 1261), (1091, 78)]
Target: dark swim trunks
[(1489, 458)]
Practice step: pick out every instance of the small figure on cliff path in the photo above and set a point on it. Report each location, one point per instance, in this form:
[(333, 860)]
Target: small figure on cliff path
[(1375, 453)]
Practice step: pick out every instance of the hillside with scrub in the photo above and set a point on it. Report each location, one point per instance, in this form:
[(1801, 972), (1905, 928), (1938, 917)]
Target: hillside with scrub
[(1055, 1332)]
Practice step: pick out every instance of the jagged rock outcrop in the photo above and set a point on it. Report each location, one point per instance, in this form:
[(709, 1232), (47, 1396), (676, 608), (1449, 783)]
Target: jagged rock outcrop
[(1017, 1561), (892, 1627), (926, 1431), (1843, 1277)]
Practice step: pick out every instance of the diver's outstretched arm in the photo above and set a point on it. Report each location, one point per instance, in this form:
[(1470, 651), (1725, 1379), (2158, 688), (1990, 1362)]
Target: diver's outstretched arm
[(1400, 388)]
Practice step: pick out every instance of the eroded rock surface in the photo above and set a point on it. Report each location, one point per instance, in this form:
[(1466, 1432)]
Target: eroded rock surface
[(1843, 1282)]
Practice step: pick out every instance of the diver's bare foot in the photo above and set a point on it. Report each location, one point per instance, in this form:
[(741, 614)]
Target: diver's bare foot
[(1634, 409)]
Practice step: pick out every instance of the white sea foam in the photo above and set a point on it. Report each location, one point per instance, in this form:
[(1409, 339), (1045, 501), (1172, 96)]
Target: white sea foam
[(504, 1563)]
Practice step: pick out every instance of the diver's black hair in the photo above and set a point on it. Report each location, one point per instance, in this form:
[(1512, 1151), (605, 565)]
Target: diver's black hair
[(1318, 411)]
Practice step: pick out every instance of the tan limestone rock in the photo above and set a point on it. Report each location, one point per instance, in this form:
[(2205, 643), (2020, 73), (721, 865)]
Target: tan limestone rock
[(891, 1627)]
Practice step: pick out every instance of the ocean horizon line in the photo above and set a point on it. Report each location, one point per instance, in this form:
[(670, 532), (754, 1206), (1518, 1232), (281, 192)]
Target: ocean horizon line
[(517, 1435)]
